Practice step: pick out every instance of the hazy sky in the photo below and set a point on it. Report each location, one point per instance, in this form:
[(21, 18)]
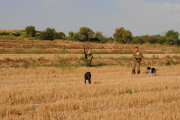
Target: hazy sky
[(141, 17)]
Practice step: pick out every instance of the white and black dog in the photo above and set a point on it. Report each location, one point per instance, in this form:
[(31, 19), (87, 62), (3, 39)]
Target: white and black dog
[(151, 71)]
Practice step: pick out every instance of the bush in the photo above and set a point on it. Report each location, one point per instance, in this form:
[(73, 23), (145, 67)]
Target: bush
[(138, 40), (17, 33), (46, 36), (58, 35), (23, 35), (51, 34), (30, 31), (4, 33)]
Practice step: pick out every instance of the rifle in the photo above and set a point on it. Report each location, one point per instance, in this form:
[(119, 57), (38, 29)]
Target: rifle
[(85, 52)]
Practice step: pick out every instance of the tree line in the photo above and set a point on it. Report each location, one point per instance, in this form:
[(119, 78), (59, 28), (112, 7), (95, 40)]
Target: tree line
[(86, 34)]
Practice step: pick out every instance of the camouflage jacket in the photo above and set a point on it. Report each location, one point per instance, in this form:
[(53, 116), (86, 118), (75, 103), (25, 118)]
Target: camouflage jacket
[(89, 57), (137, 54)]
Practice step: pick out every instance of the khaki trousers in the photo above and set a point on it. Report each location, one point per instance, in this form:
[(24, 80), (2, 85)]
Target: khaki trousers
[(135, 63), (88, 63)]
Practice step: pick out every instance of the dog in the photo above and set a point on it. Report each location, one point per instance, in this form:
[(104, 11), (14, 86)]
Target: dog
[(151, 71), (87, 76)]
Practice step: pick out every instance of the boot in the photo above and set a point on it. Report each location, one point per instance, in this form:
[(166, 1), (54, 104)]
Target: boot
[(133, 72), (138, 72)]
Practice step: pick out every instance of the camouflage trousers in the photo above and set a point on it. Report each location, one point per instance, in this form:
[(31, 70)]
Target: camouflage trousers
[(88, 63), (138, 64)]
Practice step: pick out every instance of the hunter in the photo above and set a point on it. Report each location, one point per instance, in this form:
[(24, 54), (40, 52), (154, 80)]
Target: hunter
[(89, 57), (137, 61)]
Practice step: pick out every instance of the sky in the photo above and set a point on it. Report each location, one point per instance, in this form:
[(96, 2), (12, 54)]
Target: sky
[(141, 17)]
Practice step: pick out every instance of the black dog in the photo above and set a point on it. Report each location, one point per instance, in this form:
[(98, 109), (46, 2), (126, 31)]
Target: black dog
[(87, 76), (151, 71)]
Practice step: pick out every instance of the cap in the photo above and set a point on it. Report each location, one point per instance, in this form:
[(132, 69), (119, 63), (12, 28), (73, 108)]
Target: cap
[(87, 47)]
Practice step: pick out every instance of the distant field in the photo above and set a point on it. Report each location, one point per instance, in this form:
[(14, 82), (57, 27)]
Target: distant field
[(52, 93), (44, 80)]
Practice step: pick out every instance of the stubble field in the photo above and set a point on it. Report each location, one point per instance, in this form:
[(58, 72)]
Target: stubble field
[(54, 93)]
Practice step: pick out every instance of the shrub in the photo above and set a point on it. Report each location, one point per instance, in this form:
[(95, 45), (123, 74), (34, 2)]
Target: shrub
[(4, 33), (30, 31), (48, 34), (138, 40), (17, 33), (58, 35), (23, 35)]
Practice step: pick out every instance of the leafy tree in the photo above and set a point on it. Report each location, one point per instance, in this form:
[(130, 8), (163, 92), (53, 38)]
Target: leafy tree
[(98, 34), (162, 39), (86, 32), (30, 31), (122, 36), (172, 34), (71, 34), (177, 42), (172, 37), (170, 41), (48, 34), (76, 36), (58, 35)]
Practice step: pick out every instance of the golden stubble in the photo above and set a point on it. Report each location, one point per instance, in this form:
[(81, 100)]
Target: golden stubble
[(48, 93)]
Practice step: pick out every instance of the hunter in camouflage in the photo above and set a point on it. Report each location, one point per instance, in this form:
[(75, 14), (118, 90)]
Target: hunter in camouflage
[(137, 61), (89, 57)]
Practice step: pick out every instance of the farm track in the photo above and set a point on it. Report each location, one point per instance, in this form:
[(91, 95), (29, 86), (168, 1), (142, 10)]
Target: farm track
[(55, 56)]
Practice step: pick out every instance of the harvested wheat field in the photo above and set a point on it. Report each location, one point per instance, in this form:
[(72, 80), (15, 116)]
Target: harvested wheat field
[(48, 93)]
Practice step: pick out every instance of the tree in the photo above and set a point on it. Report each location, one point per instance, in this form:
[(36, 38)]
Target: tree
[(177, 42), (58, 35), (86, 32), (76, 36), (122, 36), (138, 40), (30, 31), (162, 39), (100, 37), (48, 34), (172, 37), (172, 34), (71, 34), (98, 34)]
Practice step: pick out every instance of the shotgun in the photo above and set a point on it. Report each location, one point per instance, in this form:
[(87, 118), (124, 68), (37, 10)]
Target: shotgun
[(85, 52)]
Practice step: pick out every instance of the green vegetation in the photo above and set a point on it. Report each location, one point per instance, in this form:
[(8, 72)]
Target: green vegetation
[(51, 34), (30, 31), (128, 91), (123, 36), (86, 33)]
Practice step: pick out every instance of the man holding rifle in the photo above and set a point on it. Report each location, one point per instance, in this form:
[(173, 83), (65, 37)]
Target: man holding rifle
[(88, 56), (137, 61)]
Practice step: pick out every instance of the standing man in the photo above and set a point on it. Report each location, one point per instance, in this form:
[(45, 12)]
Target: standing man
[(89, 57), (137, 61)]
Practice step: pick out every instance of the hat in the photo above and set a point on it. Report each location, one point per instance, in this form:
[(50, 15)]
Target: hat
[(87, 47)]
